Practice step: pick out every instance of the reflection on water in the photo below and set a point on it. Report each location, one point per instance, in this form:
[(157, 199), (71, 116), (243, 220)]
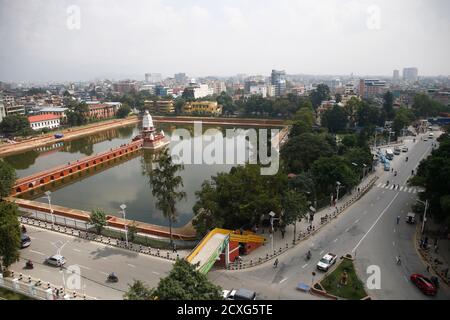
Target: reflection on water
[(125, 182)]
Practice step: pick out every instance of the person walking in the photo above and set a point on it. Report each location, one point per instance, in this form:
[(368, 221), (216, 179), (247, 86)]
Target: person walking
[(275, 264), (398, 219)]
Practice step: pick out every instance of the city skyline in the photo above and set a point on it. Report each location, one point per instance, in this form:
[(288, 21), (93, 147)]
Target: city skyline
[(82, 40)]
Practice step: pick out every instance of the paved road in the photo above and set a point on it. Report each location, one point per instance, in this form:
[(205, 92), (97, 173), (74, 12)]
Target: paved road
[(367, 228), (95, 261)]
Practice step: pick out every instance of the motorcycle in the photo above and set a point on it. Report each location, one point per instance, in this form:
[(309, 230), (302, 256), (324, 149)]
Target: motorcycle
[(308, 255), (112, 278), (406, 159)]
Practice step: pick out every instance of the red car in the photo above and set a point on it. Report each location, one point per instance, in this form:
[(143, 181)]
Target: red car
[(424, 284)]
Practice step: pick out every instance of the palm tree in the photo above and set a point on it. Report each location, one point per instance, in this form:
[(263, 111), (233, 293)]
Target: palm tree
[(165, 182)]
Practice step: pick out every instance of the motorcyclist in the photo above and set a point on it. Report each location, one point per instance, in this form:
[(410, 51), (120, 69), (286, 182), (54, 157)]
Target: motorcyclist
[(406, 159), (308, 255), (395, 173), (29, 264), (387, 182), (112, 276)]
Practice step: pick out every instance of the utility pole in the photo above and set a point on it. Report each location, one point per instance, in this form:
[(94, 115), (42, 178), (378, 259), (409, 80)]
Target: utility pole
[(48, 197), (123, 207), (338, 186)]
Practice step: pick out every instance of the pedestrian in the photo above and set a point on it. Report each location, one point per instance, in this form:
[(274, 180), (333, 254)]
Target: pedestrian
[(282, 234), (436, 248), (275, 264), (359, 189), (398, 219), (174, 248)]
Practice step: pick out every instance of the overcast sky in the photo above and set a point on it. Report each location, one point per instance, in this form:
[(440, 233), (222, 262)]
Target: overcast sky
[(43, 40)]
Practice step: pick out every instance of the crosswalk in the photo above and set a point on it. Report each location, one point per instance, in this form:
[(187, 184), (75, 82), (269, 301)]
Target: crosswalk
[(399, 188)]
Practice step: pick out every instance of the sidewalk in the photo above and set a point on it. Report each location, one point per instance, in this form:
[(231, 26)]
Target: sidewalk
[(304, 228)]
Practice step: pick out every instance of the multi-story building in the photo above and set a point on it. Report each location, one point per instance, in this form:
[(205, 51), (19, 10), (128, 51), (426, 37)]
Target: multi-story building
[(101, 110), (160, 106), (153, 77), (180, 78), (259, 90), (396, 75), (125, 86), (278, 80), (206, 107), (50, 121), (371, 87), (218, 87), (198, 90), (410, 74), (2, 110), (57, 111), (163, 91)]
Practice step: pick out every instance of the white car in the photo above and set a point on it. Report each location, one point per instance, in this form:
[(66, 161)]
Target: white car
[(240, 294), (327, 261), (405, 149), (56, 260)]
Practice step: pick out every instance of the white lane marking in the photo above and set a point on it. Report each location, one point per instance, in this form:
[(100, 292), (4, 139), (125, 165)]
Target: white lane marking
[(155, 272), (357, 220), (321, 252), (38, 252), (87, 268), (77, 250), (379, 185), (283, 280), (376, 221), (393, 243), (335, 240), (392, 187), (304, 266), (131, 265), (401, 188), (414, 191), (346, 230), (406, 279), (106, 274)]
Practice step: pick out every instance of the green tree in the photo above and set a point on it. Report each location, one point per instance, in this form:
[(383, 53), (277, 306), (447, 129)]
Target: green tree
[(295, 208), (123, 111), (15, 125), (165, 182), (368, 115), (178, 105), (388, 105), (132, 230), (229, 107), (77, 114), (338, 97), (184, 282), (7, 178), (138, 291), (360, 157), (306, 115), (425, 107), (98, 219), (9, 233), (335, 119), (299, 152), (321, 93), (403, 118)]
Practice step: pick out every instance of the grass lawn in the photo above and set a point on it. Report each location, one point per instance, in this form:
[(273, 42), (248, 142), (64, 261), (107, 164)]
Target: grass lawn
[(11, 295), (354, 290)]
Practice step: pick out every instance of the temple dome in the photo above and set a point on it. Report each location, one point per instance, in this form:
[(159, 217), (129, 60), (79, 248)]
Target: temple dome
[(147, 121)]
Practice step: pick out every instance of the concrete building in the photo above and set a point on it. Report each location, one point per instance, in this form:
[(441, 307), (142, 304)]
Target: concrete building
[(218, 87), (396, 75), (2, 110), (102, 110), (371, 87), (259, 90), (278, 80), (57, 111), (202, 107), (198, 90), (42, 121), (410, 74), (153, 77), (163, 91), (180, 78), (160, 106), (125, 86)]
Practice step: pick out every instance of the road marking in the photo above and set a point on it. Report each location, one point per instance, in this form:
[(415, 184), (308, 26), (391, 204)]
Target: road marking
[(357, 220), (321, 252), (106, 274), (393, 243), (283, 280), (87, 268), (414, 191), (335, 240), (406, 279), (33, 238), (401, 188), (155, 272), (37, 252), (77, 250), (392, 187), (379, 185), (376, 221), (131, 265), (304, 266), (346, 230)]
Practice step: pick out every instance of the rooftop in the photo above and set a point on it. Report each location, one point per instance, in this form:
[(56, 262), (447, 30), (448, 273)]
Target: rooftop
[(43, 117)]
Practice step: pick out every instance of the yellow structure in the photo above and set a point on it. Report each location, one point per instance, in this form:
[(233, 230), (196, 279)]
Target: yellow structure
[(160, 106), (209, 107)]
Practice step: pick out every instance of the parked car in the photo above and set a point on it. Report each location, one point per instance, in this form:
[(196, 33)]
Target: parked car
[(397, 151), (411, 218), (56, 260), (405, 149), (327, 261), (239, 294), (424, 284), (25, 240)]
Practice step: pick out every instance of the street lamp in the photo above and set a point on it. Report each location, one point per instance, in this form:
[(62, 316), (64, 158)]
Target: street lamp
[(424, 214), (123, 207), (48, 197), (338, 186), (272, 215)]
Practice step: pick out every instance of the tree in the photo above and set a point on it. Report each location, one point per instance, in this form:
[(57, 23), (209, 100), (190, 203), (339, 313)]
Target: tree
[(388, 105), (237, 199), (229, 107), (184, 282), (15, 125), (295, 207), (123, 111), (321, 93), (360, 157), (178, 105), (301, 151), (368, 115), (335, 119), (165, 182), (132, 230), (9, 233), (403, 118), (7, 178), (306, 115), (351, 109), (425, 107), (327, 171), (338, 97), (98, 219), (138, 291), (77, 114)]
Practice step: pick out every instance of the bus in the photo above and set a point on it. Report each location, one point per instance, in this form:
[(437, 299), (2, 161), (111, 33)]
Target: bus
[(389, 154)]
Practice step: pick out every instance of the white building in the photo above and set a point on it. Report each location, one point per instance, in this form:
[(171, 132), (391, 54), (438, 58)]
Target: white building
[(2, 110), (42, 121), (259, 90)]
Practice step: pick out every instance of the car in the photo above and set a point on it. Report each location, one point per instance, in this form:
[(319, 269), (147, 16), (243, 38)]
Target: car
[(327, 261), (56, 260), (431, 135), (25, 241), (239, 294), (411, 218), (405, 149), (424, 284), (425, 139)]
